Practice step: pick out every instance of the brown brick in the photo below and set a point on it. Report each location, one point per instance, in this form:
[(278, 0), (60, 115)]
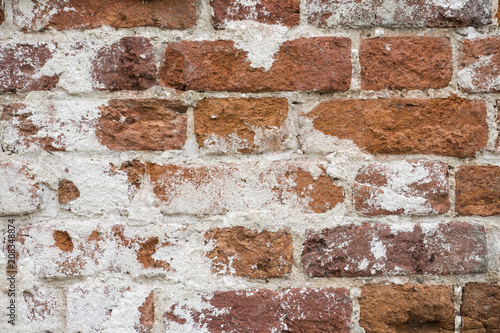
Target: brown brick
[(304, 64), (407, 308), (19, 193), (21, 66), (481, 308), (125, 65), (2, 11), (67, 191), (247, 125), (88, 14), (220, 188), (142, 124), (478, 190), (411, 63), (479, 62), (250, 253), (284, 12), (353, 250), (450, 127), (403, 13), (403, 187), (263, 310)]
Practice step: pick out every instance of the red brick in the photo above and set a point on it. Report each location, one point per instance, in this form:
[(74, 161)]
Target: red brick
[(404, 187), (354, 250), (481, 308), (478, 190), (67, 191), (407, 308), (411, 63), (479, 62), (250, 253), (403, 13), (304, 64), (88, 14), (266, 311), (451, 127), (247, 125), (221, 188), (284, 12), (125, 65), (143, 124), (22, 66), (19, 192)]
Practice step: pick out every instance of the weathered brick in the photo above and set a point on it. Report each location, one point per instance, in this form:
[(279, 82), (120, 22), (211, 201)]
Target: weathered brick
[(266, 311), (220, 188), (405, 13), (403, 187), (250, 253), (34, 15), (479, 60), (354, 250), (481, 308), (284, 12), (19, 193), (118, 308), (125, 65), (38, 307), (2, 11), (450, 127), (246, 125), (407, 308), (405, 63), (478, 190), (67, 192), (304, 64), (22, 66), (144, 124)]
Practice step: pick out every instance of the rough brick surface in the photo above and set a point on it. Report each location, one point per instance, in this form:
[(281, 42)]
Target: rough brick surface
[(243, 125), (266, 311), (19, 193), (125, 65), (250, 253), (22, 66), (285, 12), (144, 124), (478, 190), (479, 61), (375, 249), (405, 63), (409, 13), (407, 308), (321, 63), (84, 14), (221, 188), (406, 187), (481, 308), (450, 127), (67, 191)]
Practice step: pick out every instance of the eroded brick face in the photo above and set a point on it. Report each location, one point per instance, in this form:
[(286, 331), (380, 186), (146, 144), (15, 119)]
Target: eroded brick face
[(67, 191), (478, 192), (481, 308), (478, 65)]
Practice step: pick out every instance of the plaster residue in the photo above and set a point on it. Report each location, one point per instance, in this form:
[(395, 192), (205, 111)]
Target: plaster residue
[(19, 193), (40, 305), (482, 75), (250, 8)]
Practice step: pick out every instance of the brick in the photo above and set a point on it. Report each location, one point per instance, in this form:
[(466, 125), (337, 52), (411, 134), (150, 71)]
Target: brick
[(143, 124), (19, 192), (35, 15), (38, 307), (285, 12), (22, 66), (403, 187), (250, 253), (478, 64), (304, 64), (246, 125), (67, 192), (355, 250), (221, 188), (411, 63), (481, 308), (450, 127), (105, 308), (2, 11), (128, 64), (263, 310), (478, 190), (407, 308), (398, 13)]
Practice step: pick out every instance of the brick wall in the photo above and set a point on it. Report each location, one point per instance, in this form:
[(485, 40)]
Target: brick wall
[(250, 166)]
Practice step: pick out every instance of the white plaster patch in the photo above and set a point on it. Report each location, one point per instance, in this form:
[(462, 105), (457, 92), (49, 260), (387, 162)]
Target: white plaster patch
[(19, 194), (474, 78)]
